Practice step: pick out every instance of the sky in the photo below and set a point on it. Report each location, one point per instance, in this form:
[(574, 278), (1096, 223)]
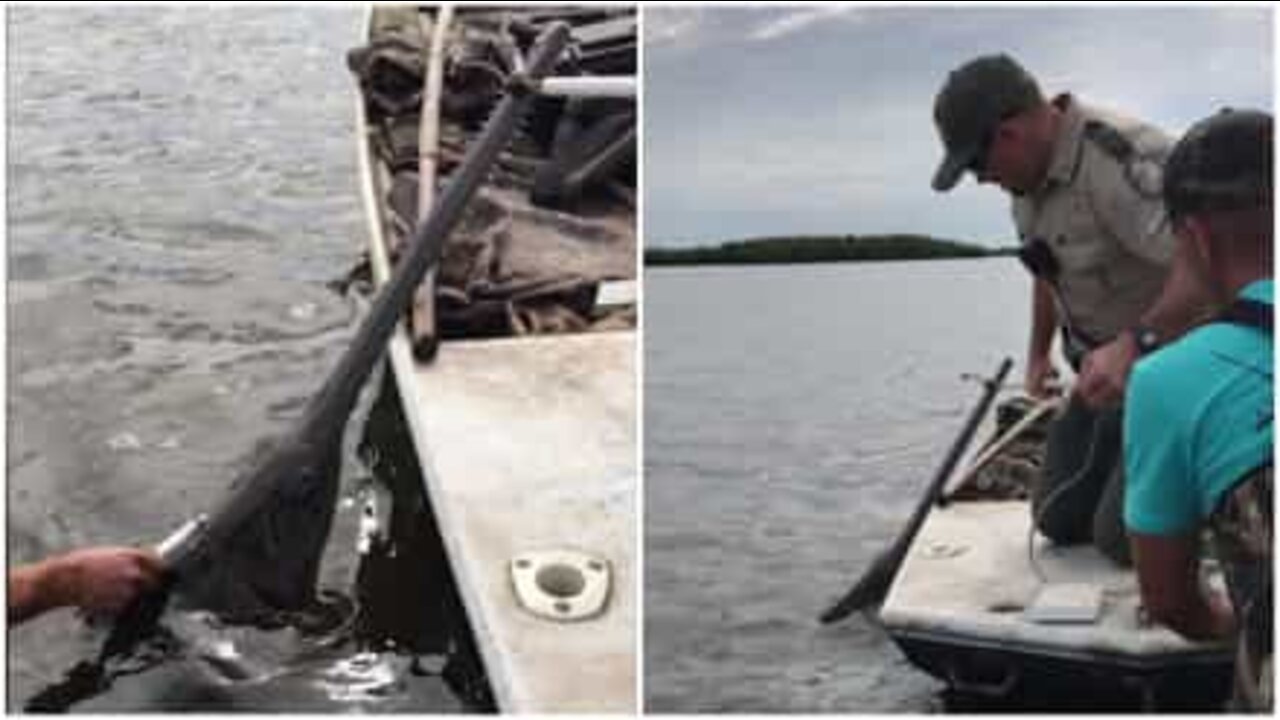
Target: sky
[(817, 119)]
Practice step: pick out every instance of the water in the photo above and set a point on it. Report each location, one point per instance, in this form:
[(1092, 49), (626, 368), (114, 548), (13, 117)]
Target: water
[(793, 414), (181, 190)]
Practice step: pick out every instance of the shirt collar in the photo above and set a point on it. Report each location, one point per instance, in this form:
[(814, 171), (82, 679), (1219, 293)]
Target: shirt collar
[(1066, 147)]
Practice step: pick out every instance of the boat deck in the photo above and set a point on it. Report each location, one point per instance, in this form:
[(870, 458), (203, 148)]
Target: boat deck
[(969, 607), (970, 572), (559, 475)]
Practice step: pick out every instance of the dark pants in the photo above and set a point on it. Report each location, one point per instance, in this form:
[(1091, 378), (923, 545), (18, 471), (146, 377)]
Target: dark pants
[(1080, 496)]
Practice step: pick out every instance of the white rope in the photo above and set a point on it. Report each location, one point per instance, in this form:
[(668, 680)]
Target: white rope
[(1052, 496)]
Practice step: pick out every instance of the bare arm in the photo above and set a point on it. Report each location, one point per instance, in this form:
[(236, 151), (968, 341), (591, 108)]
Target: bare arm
[(1043, 324), (1184, 301), (1171, 590), (32, 591), (1134, 214), (95, 579)]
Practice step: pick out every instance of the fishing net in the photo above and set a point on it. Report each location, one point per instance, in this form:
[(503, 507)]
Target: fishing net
[(518, 263)]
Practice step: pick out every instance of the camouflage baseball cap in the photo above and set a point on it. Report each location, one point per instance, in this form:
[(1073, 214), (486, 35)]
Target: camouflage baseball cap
[(1222, 163), (976, 97)]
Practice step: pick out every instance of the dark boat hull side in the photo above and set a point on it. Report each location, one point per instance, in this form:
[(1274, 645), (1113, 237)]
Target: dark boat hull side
[(987, 675)]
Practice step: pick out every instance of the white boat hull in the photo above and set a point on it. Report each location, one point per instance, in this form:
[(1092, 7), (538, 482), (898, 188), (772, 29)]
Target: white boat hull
[(969, 606)]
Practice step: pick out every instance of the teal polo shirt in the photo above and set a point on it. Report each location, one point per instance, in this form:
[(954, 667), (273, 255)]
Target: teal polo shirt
[(1198, 417)]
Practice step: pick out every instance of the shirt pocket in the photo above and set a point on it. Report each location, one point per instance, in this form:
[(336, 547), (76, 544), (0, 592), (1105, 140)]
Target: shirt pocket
[(1082, 247)]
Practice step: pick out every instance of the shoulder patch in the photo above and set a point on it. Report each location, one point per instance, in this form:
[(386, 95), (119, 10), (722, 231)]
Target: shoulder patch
[(1111, 140), (1143, 171)]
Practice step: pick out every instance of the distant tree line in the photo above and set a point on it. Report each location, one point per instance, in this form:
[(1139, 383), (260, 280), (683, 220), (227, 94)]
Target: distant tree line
[(813, 249)]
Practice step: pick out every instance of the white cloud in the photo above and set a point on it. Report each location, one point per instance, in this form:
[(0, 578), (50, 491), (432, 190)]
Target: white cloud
[(668, 26), (680, 28), (797, 20)]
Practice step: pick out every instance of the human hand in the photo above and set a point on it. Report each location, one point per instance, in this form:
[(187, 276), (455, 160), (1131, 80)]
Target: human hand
[(1222, 616), (103, 579), (1040, 382), (1104, 372)]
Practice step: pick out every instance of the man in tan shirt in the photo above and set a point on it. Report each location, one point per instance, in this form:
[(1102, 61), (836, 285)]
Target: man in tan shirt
[(1085, 185)]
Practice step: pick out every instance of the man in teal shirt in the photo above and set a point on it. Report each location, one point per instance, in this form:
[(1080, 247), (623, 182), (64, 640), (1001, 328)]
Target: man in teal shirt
[(1198, 420)]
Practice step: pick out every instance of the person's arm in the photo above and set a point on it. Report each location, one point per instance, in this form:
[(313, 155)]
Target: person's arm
[(1128, 205), (101, 579), (1168, 578), (1043, 324), (1161, 507), (1184, 302)]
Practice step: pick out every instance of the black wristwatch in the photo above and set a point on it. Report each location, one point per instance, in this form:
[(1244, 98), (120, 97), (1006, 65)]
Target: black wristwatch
[(1145, 338)]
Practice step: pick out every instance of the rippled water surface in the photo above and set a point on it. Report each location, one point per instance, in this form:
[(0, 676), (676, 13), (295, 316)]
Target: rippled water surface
[(181, 188), (792, 416)]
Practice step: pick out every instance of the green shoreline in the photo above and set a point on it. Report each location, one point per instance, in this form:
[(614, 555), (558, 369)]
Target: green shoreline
[(820, 249)]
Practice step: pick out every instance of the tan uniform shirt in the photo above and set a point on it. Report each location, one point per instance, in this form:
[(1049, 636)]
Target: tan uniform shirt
[(1099, 210)]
